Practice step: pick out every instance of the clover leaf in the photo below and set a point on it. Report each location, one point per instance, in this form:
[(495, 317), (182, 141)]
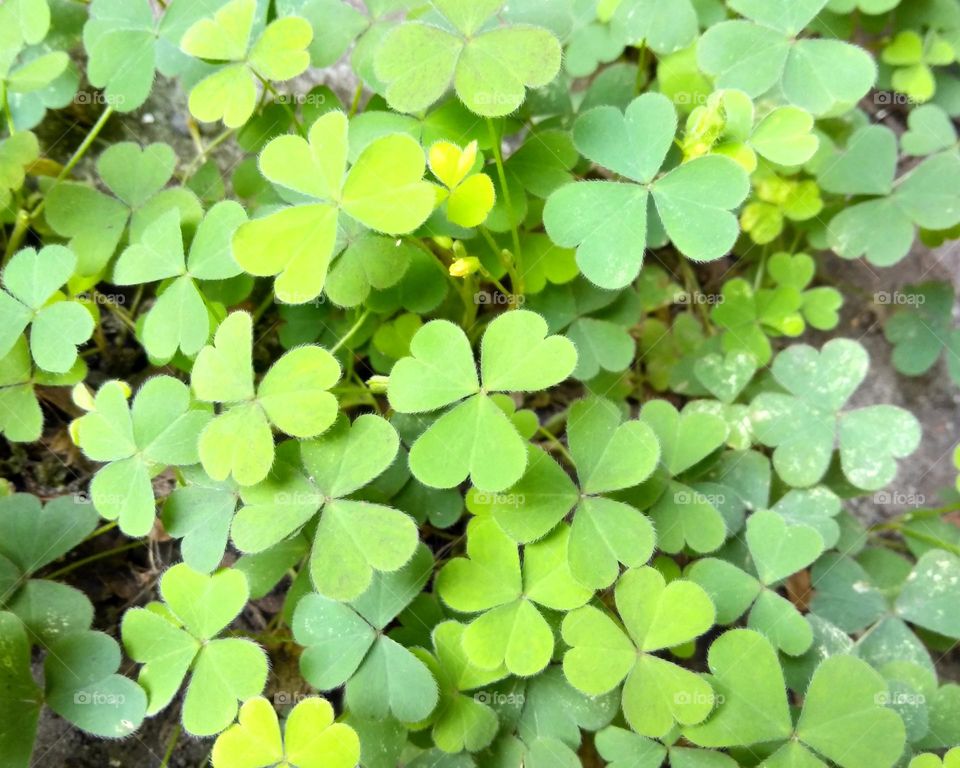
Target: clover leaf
[(95, 222), (475, 438), (230, 92), (200, 514), (21, 418), (31, 298), (510, 630), (345, 643), (596, 321), (748, 317), (471, 195), (310, 738), (34, 536), (930, 131), (922, 330), (138, 441), (608, 456), (354, 538), (179, 319), (384, 191), (882, 229), (655, 615), (805, 424), (83, 687), (756, 56), (913, 57), (17, 153), (460, 722), (120, 38), (490, 68), (179, 636), (292, 396), (22, 700), (929, 598), (634, 145)]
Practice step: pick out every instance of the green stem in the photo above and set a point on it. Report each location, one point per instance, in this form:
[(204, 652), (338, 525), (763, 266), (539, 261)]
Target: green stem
[(350, 334), (101, 530), (20, 229), (171, 745), (283, 103), (561, 448), (496, 139), (263, 306), (94, 558), (357, 95)]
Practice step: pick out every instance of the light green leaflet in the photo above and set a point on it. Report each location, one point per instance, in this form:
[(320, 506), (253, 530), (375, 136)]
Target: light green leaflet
[(511, 631), (806, 425), (655, 615), (120, 39), (354, 539), (179, 320), (384, 191), (230, 93), (138, 441), (31, 298), (16, 153), (609, 455), (345, 643), (460, 722), (882, 229), (94, 222), (607, 220), (490, 68), (21, 418), (475, 438), (819, 75), (179, 636), (310, 739), (293, 396), (845, 693)]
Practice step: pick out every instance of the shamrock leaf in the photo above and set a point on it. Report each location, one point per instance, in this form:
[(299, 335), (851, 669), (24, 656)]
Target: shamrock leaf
[(748, 317), (846, 687), (655, 615), (929, 597), (754, 701), (345, 643), (179, 318), (161, 428), (808, 422), (310, 738), (913, 56), (510, 631), (95, 222), (779, 550), (475, 438), (353, 538), (32, 299), (634, 145), (372, 263), (292, 396), (200, 514), (120, 38), (21, 418), (759, 55), (725, 376), (22, 700), (17, 153), (930, 131), (459, 722), (230, 92), (608, 456), (32, 537), (83, 687), (923, 329), (384, 191), (490, 68), (882, 229), (597, 322), (471, 195), (179, 636)]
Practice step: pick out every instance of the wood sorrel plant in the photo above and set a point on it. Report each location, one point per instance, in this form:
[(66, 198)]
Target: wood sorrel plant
[(423, 392)]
